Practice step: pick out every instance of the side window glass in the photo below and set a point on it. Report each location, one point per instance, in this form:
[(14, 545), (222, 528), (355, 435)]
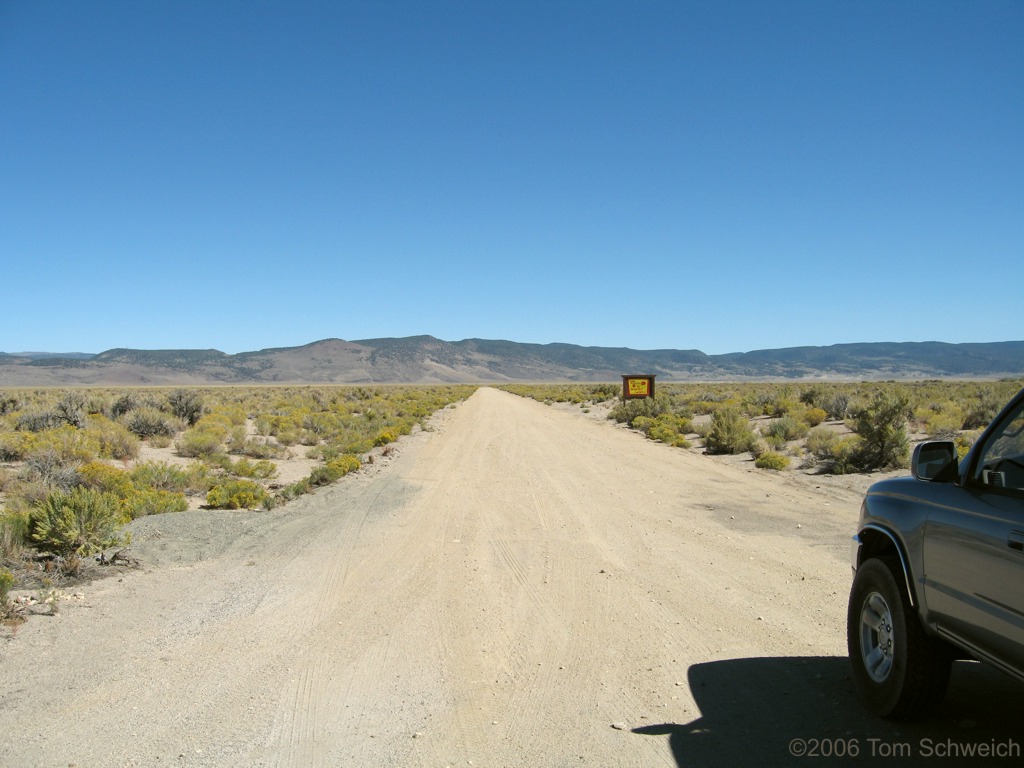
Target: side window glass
[(1001, 464)]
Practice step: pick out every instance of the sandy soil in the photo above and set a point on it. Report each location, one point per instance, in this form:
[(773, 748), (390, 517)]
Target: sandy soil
[(522, 586)]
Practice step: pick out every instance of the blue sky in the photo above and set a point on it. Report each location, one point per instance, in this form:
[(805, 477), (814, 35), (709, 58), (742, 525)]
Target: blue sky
[(723, 176)]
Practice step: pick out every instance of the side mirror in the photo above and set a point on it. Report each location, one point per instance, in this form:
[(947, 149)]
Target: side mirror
[(935, 461)]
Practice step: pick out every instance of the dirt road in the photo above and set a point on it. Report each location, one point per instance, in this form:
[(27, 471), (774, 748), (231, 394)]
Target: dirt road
[(523, 586)]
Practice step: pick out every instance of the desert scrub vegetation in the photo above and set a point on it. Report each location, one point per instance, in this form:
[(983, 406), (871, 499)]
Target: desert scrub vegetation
[(236, 494), (134, 496), (577, 394), (834, 427), (78, 523), (881, 426), (730, 432), (76, 465), (666, 427), (7, 582), (771, 460), (628, 411)]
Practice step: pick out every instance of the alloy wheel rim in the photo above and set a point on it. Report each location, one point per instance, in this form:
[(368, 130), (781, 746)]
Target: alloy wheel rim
[(876, 637)]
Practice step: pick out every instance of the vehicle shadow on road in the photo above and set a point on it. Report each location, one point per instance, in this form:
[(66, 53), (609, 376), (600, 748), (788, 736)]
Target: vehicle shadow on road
[(801, 710)]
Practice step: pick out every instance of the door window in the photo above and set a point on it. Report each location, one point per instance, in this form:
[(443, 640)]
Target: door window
[(1001, 462)]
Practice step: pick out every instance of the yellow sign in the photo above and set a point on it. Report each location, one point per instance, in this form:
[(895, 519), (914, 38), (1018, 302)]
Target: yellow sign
[(639, 387)]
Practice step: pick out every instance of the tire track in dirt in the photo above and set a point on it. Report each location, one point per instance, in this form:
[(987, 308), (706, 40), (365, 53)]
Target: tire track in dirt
[(534, 636), (347, 639), (376, 583)]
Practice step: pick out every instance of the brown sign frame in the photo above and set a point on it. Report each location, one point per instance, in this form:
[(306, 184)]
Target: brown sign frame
[(637, 385)]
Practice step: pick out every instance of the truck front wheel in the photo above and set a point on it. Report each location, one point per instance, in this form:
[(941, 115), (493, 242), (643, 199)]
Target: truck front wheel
[(898, 670)]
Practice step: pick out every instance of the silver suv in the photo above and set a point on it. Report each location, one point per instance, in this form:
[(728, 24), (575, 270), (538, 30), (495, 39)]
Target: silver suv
[(938, 565)]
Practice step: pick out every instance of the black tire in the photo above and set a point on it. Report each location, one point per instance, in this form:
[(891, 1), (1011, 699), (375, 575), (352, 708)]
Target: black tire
[(898, 670)]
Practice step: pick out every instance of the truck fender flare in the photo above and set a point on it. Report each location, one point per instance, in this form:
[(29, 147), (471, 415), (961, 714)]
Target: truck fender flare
[(898, 546)]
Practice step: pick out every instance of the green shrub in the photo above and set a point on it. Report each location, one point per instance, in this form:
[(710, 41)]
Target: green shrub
[(784, 406), (730, 432), (321, 476), (124, 404), (162, 476), (14, 532), (103, 477), (353, 445), (812, 417), (670, 428), (219, 461), (701, 429), (51, 471), (601, 392), (345, 464), (334, 469), (296, 489), (7, 582), (235, 414), (942, 421), (186, 405), (771, 460), (287, 437), (236, 494), (152, 501), (262, 469), (150, 422), (835, 453), (71, 409), (882, 428), (9, 404), (964, 442), (758, 446), (199, 443), (845, 457), (785, 428), (134, 498), (628, 410), (642, 423), (68, 443), (236, 440), (820, 442), (812, 396), (385, 436), (945, 426), (836, 405), (38, 421), (308, 437), (13, 446), (115, 441), (982, 410), (80, 522)]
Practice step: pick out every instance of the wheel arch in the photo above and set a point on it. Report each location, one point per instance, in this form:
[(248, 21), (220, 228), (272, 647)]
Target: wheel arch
[(876, 541)]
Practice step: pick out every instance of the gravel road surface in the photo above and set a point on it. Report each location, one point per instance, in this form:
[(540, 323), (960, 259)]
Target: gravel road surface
[(520, 586)]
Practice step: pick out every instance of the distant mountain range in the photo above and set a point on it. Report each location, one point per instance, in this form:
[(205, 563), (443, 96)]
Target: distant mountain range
[(425, 359)]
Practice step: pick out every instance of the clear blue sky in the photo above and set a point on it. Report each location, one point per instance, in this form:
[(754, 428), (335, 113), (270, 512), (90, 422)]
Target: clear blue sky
[(724, 176)]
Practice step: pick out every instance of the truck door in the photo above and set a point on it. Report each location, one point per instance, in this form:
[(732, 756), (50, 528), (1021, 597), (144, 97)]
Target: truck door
[(974, 548)]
